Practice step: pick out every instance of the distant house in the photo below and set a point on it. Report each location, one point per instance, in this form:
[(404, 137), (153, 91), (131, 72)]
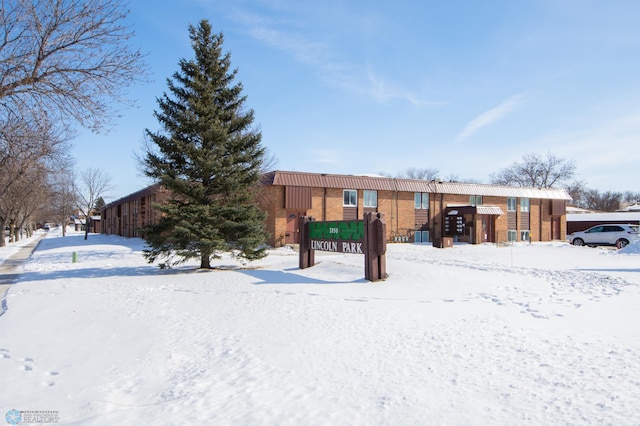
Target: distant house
[(630, 208), (79, 222), (414, 210), (95, 224)]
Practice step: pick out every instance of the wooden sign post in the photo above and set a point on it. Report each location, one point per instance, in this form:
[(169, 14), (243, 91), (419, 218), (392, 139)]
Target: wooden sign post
[(307, 255), (375, 261), (366, 237)]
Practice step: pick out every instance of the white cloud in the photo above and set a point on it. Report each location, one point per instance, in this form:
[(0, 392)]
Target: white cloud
[(604, 148), (285, 36), (489, 117), (282, 35), (326, 156), (383, 91)]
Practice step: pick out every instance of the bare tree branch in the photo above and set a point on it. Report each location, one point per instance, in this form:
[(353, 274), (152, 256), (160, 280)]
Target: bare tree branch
[(537, 172), (68, 57), (63, 197), (92, 184), (30, 151), (419, 174)]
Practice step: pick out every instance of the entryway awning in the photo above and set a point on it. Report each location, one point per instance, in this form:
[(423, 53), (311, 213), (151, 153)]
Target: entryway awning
[(494, 210), (490, 210)]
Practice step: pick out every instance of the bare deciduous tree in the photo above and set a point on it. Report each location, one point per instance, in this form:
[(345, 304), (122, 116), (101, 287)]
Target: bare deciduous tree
[(63, 199), (29, 151), (269, 161), (69, 58), (22, 199), (537, 172), (631, 197), (576, 190), (91, 185), (419, 174), (32, 197), (19, 142), (606, 201), (455, 178)]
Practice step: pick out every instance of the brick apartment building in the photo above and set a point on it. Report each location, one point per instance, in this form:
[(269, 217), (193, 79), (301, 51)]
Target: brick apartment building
[(128, 214), (415, 210)]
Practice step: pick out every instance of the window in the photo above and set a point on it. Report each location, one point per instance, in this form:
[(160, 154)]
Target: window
[(525, 236), (350, 198), (421, 200), (511, 204), (524, 205), (371, 198), (512, 235), (475, 200), (613, 228)]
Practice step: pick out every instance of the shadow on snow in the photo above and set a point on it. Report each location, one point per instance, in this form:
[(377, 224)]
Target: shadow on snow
[(285, 277)]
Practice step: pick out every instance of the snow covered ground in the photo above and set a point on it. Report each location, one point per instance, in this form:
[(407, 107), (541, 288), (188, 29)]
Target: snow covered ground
[(12, 248), (541, 334)]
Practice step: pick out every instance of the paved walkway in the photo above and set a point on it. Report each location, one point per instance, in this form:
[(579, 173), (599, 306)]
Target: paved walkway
[(12, 267)]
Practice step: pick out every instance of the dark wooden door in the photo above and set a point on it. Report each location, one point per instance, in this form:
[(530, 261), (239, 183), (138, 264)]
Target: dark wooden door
[(555, 228), (292, 235), (488, 229)]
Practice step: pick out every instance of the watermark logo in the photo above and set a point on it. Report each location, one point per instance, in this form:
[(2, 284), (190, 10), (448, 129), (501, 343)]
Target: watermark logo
[(14, 417)]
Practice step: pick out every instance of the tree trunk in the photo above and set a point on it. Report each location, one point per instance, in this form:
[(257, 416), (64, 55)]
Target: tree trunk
[(12, 232), (3, 224), (205, 261)]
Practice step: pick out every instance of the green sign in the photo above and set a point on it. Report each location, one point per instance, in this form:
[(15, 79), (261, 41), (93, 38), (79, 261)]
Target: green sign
[(344, 230)]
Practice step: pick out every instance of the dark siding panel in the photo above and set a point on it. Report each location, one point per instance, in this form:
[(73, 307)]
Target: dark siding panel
[(297, 198), (558, 207), (350, 213), (525, 222), (422, 219), (511, 221)]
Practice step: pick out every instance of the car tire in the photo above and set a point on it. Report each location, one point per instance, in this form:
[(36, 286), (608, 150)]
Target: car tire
[(621, 243), (577, 242)]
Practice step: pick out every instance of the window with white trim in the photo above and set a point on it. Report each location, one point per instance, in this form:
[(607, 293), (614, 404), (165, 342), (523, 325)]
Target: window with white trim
[(512, 235), (524, 205), (511, 204), (475, 200), (421, 200), (525, 236), (370, 199), (350, 198)]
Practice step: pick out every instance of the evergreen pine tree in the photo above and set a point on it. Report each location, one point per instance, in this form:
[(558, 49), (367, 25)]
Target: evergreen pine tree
[(99, 205), (209, 158)]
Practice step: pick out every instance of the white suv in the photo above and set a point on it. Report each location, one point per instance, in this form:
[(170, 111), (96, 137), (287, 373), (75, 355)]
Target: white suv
[(605, 235)]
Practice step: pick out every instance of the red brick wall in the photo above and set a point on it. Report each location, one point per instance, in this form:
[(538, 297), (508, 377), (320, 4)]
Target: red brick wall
[(327, 204)]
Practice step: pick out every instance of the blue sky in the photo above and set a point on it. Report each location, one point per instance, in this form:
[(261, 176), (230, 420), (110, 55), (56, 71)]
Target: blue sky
[(358, 87)]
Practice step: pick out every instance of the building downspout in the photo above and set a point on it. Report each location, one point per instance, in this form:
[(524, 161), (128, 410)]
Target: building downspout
[(324, 205), (540, 222), (324, 197), (395, 187), (442, 215)]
